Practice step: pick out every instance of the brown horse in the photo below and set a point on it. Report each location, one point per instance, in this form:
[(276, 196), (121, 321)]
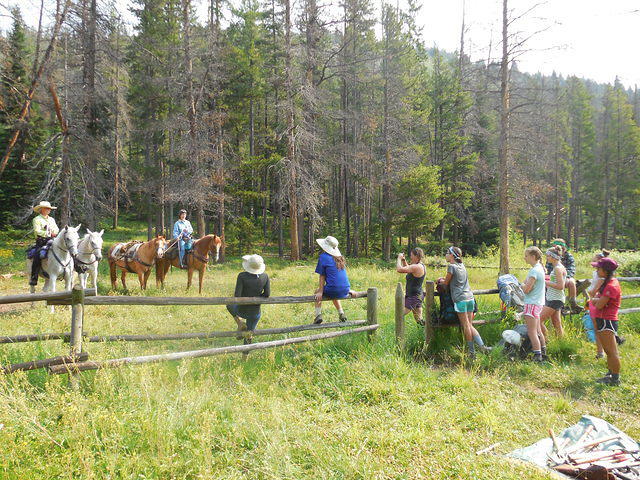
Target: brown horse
[(135, 257), (196, 259)]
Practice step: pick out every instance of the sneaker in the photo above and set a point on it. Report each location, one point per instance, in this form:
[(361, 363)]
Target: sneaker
[(599, 355), (342, 317), (537, 358), (609, 380), (318, 320), (420, 321), (485, 349), (471, 355), (620, 340)]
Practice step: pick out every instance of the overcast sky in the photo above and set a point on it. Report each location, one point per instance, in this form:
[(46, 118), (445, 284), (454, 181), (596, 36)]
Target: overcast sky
[(594, 39)]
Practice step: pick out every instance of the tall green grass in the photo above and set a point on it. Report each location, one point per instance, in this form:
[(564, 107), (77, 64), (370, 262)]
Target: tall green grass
[(340, 409)]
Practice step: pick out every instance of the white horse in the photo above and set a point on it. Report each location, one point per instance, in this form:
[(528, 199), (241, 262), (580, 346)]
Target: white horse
[(89, 254), (59, 261)]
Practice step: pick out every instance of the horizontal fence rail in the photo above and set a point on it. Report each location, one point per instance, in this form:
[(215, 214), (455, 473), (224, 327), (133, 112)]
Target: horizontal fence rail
[(220, 334), (36, 337), (38, 297), (207, 352), (158, 301)]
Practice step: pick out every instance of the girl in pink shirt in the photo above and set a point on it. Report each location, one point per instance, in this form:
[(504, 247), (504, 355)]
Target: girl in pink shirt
[(603, 308)]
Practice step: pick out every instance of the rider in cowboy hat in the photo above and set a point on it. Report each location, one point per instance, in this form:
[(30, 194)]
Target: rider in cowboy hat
[(182, 230), (45, 229)]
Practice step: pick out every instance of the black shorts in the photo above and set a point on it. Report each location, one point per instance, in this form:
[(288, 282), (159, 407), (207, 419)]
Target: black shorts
[(555, 304), (603, 324)]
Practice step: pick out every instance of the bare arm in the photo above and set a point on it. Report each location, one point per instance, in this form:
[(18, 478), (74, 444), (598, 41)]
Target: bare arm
[(448, 278), (560, 279), (529, 283), (320, 288), (600, 302)]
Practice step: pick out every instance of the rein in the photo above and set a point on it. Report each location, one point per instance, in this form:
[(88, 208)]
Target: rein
[(53, 251)]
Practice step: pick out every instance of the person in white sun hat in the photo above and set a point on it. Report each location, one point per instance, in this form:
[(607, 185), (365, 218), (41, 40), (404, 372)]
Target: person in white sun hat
[(44, 228), (253, 282), (334, 282)]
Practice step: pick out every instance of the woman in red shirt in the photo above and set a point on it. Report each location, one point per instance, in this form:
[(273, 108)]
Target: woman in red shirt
[(604, 308)]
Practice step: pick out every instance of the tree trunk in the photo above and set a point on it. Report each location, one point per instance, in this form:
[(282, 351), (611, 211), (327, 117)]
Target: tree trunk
[(291, 146), (503, 184)]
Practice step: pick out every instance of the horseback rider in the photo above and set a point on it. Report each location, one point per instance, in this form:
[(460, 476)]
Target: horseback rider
[(45, 229), (182, 231)]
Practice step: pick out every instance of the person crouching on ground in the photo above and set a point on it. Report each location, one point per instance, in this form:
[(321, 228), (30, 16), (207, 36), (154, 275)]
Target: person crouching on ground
[(555, 292), (604, 308), (416, 272), (463, 302), (534, 302), (333, 282), (253, 282), (569, 263)]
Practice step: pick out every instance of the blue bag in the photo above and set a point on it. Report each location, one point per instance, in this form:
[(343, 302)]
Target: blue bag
[(587, 323)]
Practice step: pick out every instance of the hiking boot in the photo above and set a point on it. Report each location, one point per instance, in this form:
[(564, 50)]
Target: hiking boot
[(620, 340), (318, 320), (608, 379), (342, 317)]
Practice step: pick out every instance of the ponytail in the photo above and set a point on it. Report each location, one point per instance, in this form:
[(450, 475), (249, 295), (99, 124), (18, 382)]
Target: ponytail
[(341, 263)]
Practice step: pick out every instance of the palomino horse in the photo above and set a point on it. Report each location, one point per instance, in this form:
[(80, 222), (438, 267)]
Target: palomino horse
[(196, 259), (59, 261), (135, 257), (89, 254)]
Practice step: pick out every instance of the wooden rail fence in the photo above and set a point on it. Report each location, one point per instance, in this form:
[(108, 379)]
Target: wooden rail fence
[(78, 359), (431, 323)]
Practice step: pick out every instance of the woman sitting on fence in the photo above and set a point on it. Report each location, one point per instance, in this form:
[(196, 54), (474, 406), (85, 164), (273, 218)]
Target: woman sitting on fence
[(555, 292), (463, 302), (416, 272), (534, 302), (253, 282), (333, 282), (604, 309)]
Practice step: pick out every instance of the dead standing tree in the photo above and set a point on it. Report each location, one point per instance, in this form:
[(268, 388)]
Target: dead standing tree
[(61, 12), (512, 47)]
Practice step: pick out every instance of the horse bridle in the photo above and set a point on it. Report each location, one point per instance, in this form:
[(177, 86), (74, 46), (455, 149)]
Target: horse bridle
[(67, 249), (92, 252)]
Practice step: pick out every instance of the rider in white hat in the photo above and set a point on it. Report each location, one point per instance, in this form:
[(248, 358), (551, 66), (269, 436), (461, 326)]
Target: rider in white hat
[(333, 282), (44, 226), (253, 282), (45, 229)]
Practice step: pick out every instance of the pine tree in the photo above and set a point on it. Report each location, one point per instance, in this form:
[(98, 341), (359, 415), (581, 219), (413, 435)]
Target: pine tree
[(20, 182)]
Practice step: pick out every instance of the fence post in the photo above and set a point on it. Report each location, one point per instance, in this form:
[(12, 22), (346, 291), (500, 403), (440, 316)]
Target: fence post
[(372, 310), (77, 316), (400, 335), (428, 309)]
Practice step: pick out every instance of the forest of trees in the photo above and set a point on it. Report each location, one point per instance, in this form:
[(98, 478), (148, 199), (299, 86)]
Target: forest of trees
[(274, 123)]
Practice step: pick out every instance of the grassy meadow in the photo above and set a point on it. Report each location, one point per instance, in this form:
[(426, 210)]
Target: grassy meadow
[(340, 409)]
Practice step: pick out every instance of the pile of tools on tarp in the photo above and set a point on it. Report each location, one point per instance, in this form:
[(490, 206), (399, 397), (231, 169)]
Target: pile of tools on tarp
[(590, 450)]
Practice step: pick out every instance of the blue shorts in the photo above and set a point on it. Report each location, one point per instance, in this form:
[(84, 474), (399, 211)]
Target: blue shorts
[(464, 306), (335, 294)]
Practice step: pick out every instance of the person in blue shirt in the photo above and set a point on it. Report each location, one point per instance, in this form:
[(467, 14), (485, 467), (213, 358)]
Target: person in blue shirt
[(182, 230), (333, 281)]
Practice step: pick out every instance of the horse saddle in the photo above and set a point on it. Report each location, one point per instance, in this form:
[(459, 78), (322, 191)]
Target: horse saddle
[(42, 250)]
